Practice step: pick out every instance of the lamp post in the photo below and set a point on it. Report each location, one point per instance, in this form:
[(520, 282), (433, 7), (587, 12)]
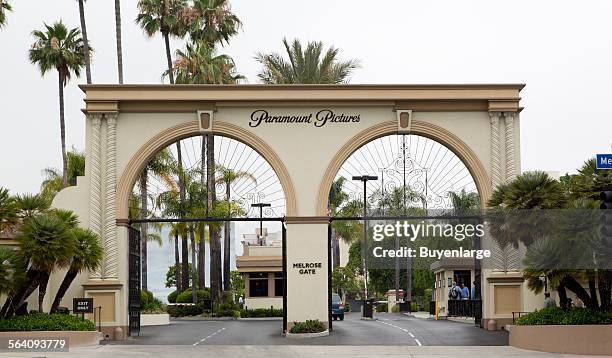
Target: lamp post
[(365, 179), (260, 206)]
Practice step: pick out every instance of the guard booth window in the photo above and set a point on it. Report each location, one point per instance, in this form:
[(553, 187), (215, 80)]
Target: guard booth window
[(258, 284), (278, 284)]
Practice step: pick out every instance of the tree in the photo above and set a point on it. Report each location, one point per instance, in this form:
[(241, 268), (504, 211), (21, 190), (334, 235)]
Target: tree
[(464, 200), (52, 183), (44, 241), (11, 271), (88, 255), (199, 64), (85, 41), (171, 276), (118, 41), (210, 21), (228, 176), (161, 166), (4, 8), (305, 66), (9, 211), (536, 190), (161, 16), (60, 49)]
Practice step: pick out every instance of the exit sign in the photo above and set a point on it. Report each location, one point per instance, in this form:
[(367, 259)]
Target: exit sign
[(604, 161)]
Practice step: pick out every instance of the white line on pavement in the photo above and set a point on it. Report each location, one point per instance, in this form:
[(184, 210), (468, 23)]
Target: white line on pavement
[(411, 335), (207, 337), (419, 343)]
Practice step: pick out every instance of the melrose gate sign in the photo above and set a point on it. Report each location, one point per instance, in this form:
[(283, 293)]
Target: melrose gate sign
[(127, 124)]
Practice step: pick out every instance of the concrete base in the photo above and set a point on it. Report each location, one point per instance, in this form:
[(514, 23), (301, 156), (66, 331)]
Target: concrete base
[(500, 323), (76, 338), (160, 319), (307, 335), (584, 339)]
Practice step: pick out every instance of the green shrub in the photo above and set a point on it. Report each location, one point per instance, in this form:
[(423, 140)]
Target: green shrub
[(382, 307), (261, 312), (46, 322), (310, 326), (172, 296), (347, 307), (185, 296), (428, 296), (558, 316), (414, 307), (184, 311), (228, 309), (395, 308)]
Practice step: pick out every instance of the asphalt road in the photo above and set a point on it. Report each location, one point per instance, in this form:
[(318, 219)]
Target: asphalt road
[(387, 330)]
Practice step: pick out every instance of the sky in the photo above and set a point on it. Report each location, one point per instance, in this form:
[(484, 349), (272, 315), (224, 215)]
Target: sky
[(560, 49)]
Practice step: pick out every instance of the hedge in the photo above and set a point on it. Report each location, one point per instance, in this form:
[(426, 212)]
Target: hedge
[(558, 316), (185, 296), (46, 322), (310, 326), (182, 311), (261, 312)]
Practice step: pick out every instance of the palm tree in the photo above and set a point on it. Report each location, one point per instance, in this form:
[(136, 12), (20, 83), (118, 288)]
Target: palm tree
[(118, 38), (199, 64), (210, 21), (228, 176), (464, 201), (4, 7), (85, 41), (161, 16), (305, 67), (60, 49), (31, 204), (215, 245), (9, 211), (88, 255), (45, 241), (11, 271), (160, 166), (52, 183)]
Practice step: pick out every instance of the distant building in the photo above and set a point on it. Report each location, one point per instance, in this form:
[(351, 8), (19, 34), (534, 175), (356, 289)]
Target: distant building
[(261, 265)]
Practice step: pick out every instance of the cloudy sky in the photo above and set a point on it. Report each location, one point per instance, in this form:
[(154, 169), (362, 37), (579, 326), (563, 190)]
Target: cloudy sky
[(562, 50)]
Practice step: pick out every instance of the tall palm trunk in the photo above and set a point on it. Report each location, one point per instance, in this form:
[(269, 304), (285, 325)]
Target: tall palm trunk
[(85, 41), (62, 128), (184, 241), (42, 289), (168, 56), (71, 274), (215, 254), (194, 291), (30, 284), (118, 37), (227, 243), (201, 226), (143, 227), (177, 264)]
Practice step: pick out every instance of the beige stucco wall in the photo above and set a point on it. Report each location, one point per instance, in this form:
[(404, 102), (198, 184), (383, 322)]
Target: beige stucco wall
[(263, 302)]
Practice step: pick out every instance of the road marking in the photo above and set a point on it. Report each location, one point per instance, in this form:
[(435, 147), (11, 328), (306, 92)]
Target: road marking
[(402, 329), (207, 337)]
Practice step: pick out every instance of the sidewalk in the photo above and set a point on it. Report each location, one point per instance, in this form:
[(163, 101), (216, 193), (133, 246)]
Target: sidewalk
[(296, 352)]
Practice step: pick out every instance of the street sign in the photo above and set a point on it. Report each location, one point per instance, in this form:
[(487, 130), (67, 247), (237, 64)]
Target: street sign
[(604, 161), (82, 305)]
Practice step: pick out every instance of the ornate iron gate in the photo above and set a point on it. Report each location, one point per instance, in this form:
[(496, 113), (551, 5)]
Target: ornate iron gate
[(134, 282)]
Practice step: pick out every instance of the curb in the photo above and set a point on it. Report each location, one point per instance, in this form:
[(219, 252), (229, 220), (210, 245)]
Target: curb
[(306, 335)]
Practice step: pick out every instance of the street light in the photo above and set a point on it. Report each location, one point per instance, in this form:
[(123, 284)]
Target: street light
[(365, 179), (260, 206)]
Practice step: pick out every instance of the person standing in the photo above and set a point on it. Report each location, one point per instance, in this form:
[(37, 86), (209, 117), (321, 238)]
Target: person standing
[(465, 292), (548, 301)]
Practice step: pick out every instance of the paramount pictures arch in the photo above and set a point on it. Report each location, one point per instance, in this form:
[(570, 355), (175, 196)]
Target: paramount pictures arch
[(127, 124)]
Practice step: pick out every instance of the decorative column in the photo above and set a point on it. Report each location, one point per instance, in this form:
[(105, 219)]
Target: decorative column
[(510, 151), (110, 225), (495, 156), (95, 204)]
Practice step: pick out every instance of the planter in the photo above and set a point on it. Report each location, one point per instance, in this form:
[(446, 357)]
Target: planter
[(307, 335), (76, 338), (580, 339), (154, 319)]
